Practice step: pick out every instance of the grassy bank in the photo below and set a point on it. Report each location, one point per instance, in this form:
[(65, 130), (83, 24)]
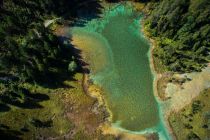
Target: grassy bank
[(192, 122), (45, 120), (63, 112)]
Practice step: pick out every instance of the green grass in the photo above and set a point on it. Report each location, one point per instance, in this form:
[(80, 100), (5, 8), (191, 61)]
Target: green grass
[(186, 122), (64, 107), (18, 118)]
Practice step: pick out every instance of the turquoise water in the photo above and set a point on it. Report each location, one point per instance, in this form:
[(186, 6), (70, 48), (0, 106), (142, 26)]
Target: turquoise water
[(124, 69), (130, 86)]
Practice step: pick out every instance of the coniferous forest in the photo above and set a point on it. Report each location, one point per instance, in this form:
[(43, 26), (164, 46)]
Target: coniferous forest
[(183, 33), (30, 52)]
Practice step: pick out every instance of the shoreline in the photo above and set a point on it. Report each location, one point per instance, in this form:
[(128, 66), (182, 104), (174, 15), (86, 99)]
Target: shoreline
[(94, 91), (90, 89), (182, 96), (157, 77)]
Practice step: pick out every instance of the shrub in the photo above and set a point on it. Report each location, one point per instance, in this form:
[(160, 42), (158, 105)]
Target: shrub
[(193, 136), (197, 106), (72, 66)]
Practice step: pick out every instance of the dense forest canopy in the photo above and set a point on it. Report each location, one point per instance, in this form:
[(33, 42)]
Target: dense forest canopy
[(34, 62), (182, 28), (29, 51)]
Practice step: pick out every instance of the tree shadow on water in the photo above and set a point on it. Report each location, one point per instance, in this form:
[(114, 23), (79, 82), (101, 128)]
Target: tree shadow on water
[(82, 65), (84, 11), (78, 11)]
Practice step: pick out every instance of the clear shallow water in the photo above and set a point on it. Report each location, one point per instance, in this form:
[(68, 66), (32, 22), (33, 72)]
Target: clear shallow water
[(130, 86), (123, 69)]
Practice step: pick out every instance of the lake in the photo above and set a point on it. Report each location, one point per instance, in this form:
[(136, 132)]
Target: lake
[(117, 54)]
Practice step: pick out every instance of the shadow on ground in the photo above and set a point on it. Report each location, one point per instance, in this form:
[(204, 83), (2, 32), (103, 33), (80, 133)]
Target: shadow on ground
[(8, 134)]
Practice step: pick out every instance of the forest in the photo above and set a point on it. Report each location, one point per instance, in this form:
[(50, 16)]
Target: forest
[(35, 62), (30, 52), (182, 31)]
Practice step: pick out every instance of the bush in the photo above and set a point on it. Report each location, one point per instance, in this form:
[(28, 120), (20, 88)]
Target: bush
[(193, 136), (72, 66), (197, 106), (41, 124), (188, 126)]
